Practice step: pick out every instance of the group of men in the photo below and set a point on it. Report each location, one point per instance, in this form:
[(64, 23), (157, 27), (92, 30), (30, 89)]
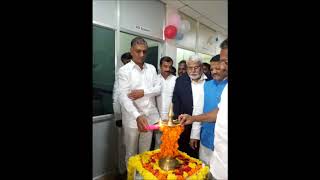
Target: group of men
[(199, 98)]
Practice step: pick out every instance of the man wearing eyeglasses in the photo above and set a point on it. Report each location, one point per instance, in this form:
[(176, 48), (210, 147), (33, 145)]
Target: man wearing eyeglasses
[(219, 159), (188, 99)]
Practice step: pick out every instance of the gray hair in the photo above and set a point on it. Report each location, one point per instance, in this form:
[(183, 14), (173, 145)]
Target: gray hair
[(138, 40), (195, 58)]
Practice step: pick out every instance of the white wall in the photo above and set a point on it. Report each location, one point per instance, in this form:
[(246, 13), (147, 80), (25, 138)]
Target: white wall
[(105, 13), (141, 16)]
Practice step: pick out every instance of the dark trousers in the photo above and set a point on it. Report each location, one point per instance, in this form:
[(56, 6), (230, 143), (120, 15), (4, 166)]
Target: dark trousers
[(184, 141)]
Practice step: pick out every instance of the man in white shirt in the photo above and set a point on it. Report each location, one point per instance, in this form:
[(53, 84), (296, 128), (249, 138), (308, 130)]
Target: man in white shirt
[(188, 98), (164, 100), (198, 99), (138, 86), (219, 159), (125, 58)]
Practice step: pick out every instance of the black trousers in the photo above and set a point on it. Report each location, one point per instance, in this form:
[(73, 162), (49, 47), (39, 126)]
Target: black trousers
[(184, 141)]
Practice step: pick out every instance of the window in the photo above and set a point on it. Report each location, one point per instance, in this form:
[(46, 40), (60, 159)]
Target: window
[(205, 57), (207, 40), (103, 70), (189, 38), (183, 54)]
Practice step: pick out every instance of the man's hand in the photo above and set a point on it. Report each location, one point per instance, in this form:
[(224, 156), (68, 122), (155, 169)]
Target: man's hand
[(142, 123), (194, 143), (185, 119), (136, 94)]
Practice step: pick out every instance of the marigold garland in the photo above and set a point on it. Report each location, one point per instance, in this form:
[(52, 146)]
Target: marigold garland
[(169, 139), (147, 163)]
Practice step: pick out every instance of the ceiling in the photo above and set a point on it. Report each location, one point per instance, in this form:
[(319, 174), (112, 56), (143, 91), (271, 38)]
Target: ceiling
[(213, 13)]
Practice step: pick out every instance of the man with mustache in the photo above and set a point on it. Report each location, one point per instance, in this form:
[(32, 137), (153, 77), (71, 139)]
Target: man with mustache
[(138, 86), (182, 68), (188, 99), (219, 159), (212, 93), (167, 85)]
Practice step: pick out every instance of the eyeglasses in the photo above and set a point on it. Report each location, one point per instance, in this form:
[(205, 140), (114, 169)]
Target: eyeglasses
[(190, 68)]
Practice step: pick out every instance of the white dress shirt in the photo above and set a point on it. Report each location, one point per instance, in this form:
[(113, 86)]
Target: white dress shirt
[(219, 159), (198, 100), (132, 77), (165, 98), (115, 97)]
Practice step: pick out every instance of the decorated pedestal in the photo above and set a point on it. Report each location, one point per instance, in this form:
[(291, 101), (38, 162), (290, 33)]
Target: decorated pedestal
[(146, 166), (167, 162)]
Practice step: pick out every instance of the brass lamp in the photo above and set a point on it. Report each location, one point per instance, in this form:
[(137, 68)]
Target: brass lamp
[(169, 163)]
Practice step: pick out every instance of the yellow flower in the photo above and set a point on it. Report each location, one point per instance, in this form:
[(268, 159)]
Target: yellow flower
[(147, 175), (145, 158), (156, 151), (192, 165), (185, 174), (136, 162), (193, 177), (171, 177), (202, 174), (132, 164)]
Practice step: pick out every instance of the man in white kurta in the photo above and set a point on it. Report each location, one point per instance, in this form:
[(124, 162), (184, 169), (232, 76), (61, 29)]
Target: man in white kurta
[(219, 159), (165, 98), (138, 86), (125, 58)]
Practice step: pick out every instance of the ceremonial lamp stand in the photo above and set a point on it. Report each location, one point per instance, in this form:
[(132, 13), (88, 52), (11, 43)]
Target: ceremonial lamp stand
[(169, 163)]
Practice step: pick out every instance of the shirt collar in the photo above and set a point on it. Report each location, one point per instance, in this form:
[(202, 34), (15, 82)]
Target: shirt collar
[(134, 65), (169, 77), (221, 82), (202, 78)]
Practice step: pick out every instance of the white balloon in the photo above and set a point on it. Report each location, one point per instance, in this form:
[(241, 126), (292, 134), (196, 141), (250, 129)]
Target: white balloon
[(185, 26)]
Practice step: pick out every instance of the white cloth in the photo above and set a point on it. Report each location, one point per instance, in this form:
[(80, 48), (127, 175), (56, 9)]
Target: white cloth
[(205, 154), (115, 97), (136, 142), (132, 77), (165, 98), (219, 160), (163, 102), (198, 100)]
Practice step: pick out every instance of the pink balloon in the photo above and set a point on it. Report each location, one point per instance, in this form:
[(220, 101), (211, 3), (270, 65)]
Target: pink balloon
[(175, 20)]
